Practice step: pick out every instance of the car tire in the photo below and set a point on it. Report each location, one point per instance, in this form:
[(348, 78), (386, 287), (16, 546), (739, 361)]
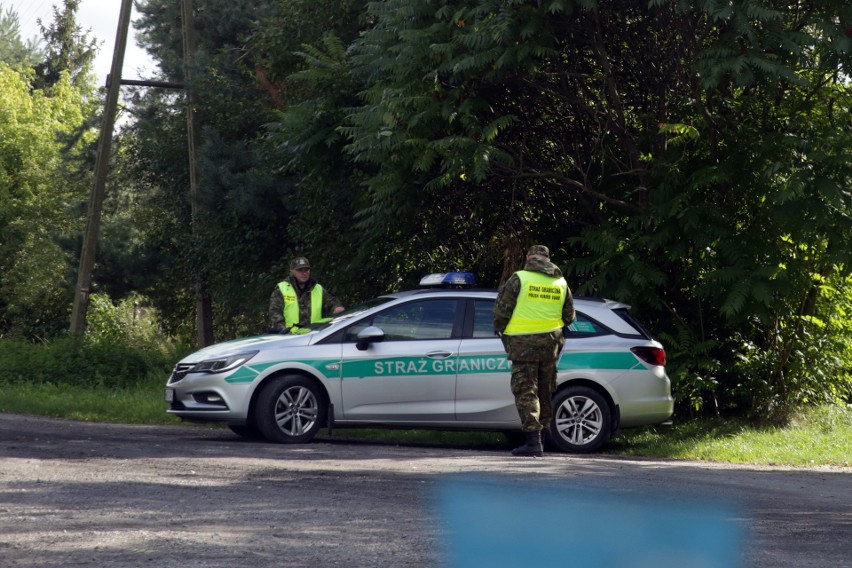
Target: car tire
[(582, 420), (247, 431), (290, 410)]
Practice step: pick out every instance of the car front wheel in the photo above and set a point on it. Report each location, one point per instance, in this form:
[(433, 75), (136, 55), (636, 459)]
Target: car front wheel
[(290, 410), (581, 420)]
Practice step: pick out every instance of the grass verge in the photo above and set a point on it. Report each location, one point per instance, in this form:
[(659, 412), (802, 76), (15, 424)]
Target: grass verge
[(815, 437), (137, 404)]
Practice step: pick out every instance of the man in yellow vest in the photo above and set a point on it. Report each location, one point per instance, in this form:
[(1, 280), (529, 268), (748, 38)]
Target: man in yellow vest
[(532, 307), (300, 301)]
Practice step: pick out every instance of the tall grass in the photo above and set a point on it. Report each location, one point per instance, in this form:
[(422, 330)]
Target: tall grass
[(814, 436)]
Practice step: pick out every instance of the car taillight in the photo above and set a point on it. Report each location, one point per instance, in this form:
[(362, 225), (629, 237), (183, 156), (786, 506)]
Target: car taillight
[(650, 355)]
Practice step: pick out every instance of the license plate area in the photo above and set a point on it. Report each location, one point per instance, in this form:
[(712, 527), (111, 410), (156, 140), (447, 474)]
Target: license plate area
[(170, 395)]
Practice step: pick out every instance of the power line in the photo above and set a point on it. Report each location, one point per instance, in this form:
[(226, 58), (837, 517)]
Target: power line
[(28, 14)]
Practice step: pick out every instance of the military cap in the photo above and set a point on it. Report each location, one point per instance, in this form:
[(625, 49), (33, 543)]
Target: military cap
[(539, 250), (299, 262)]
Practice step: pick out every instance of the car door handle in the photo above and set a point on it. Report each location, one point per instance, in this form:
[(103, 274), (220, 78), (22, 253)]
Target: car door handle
[(439, 354)]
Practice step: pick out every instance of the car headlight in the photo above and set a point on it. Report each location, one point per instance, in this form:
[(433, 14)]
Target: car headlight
[(223, 364)]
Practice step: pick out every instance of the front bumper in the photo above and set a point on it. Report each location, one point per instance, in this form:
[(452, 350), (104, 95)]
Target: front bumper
[(206, 397)]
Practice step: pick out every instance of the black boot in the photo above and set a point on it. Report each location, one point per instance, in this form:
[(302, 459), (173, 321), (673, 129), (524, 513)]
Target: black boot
[(532, 447)]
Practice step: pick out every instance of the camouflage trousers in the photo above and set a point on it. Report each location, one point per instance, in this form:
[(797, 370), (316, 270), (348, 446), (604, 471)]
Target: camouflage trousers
[(534, 359)]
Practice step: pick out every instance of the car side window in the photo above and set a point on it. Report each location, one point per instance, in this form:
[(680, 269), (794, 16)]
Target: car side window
[(427, 319), (584, 326), (483, 319)]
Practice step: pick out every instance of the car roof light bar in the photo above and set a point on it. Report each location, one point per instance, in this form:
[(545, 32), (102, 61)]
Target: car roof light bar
[(448, 280)]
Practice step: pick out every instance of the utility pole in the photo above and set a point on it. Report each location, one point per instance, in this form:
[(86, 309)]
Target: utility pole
[(96, 199), (204, 304)]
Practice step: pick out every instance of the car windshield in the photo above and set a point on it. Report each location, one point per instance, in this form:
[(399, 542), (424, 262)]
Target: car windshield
[(349, 313)]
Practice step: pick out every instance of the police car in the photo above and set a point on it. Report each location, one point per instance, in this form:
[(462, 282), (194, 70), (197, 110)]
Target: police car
[(426, 359)]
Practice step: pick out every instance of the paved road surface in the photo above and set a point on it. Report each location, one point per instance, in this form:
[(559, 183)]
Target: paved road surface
[(80, 494)]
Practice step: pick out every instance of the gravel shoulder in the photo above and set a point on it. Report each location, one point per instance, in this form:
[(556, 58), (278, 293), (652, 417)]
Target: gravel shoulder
[(83, 494)]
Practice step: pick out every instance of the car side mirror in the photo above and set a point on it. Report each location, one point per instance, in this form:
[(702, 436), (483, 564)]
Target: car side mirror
[(368, 335)]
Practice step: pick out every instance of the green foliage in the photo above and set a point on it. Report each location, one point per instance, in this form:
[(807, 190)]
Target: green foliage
[(14, 50), (69, 49), (693, 369), (423, 113), (122, 349), (303, 139), (440, 116), (72, 362), (285, 33), (826, 419), (130, 321), (36, 194), (690, 158), (813, 436), (139, 403), (746, 217), (243, 235), (809, 361)]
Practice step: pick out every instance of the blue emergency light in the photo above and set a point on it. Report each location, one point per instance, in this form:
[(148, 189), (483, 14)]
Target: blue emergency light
[(448, 280)]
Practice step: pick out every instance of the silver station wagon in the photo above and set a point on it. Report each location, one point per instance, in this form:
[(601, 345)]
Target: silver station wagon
[(426, 359)]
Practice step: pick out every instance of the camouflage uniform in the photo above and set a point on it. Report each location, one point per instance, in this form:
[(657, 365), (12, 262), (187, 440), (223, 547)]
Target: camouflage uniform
[(276, 305), (533, 356)]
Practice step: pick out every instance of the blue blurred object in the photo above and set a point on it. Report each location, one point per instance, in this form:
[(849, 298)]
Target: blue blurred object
[(448, 280), (495, 524)]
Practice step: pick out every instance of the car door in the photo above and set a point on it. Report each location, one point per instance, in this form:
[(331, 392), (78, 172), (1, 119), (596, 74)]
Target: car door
[(483, 391), (409, 376)]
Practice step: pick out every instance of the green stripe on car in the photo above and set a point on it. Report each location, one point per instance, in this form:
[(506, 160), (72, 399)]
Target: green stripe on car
[(418, 366)]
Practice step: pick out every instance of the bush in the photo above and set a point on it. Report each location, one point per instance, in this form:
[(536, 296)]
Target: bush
[(74, 362), (768, 371), (122, 348), (128, 320)]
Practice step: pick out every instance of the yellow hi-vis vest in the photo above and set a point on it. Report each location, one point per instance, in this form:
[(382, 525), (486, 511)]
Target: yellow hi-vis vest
[(291, 305), (539, 306)]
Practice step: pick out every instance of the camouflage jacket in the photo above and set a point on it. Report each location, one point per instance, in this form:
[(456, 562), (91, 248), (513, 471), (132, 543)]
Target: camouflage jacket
[(303, 295)]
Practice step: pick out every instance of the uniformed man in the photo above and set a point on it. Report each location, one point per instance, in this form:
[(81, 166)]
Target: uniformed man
[(300, 301), (532, 307)]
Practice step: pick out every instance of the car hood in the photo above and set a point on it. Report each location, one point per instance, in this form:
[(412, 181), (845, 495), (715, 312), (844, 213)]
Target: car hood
[(259, 342)]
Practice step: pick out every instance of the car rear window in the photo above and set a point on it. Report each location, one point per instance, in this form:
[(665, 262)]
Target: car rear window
[(585, 326), (632, 321), (483, 323)]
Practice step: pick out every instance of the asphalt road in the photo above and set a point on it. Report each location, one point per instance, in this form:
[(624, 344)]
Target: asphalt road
[(81, 494)]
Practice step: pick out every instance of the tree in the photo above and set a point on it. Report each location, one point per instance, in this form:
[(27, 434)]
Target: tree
[(243, 224), (35, 195), (69, 49), (13, 49), (690, 157)]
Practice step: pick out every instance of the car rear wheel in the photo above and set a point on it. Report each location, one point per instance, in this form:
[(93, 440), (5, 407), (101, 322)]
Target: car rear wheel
[(581, 420), (290, 410)]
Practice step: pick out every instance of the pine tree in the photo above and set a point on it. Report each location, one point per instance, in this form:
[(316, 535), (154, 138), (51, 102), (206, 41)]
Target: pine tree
[(13, 49), (69, 48)]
